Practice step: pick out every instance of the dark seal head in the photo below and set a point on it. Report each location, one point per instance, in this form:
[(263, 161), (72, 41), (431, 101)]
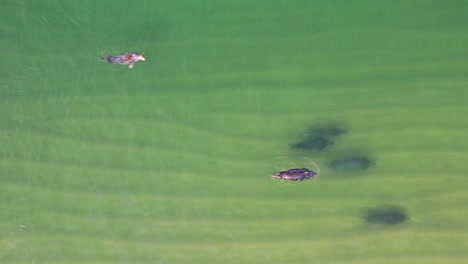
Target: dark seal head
[(297, 174)]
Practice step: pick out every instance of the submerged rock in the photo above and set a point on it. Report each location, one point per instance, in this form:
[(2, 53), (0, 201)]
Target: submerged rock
[(297, 174), (317, 143), (351, 164), (386, 215)]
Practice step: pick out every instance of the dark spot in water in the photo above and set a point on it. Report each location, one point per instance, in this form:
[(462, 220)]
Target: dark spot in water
[(317, 143), (318, 138), (351, 164), (327, 131), (385, 215), (295, 174)]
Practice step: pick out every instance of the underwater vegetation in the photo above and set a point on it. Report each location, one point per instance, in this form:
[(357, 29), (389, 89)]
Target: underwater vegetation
[(385, 215), (351, 164)]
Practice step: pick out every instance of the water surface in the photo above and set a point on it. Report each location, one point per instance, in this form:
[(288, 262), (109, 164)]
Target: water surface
[(170, 162)]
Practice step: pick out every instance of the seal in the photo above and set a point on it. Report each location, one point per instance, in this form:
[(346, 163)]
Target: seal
[(126, 59), (296, 174), (299, 174)]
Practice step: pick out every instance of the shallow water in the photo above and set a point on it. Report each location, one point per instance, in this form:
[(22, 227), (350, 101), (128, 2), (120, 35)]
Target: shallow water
[(171, 161)]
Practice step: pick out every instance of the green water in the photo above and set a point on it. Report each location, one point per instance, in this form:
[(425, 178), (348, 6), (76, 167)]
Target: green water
[(170, 162)]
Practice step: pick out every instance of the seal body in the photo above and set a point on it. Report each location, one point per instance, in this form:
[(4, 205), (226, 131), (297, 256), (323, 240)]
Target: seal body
[(297, 174), (127, 59)]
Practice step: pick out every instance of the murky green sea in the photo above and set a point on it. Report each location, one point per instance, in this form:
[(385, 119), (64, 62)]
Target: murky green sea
[(171, 161)]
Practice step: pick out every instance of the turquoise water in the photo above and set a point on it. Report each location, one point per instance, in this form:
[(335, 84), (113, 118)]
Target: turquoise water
[(170, 162)]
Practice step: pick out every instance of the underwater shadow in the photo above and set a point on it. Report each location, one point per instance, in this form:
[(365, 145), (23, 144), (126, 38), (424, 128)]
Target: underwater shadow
[(385, 215), (352, 163), (319, 137)]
